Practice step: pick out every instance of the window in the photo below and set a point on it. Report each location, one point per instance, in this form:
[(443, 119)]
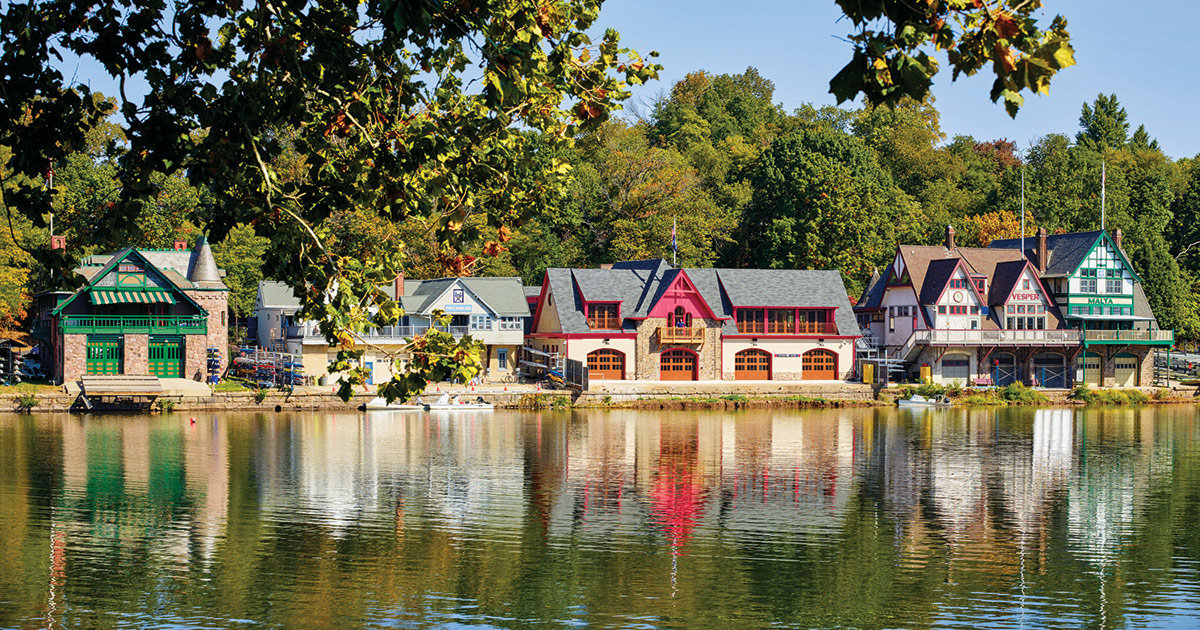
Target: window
[(941, 310), (1087, 281), (1025, 284), (1041, 308), (974, 324), (781, 321), (502, 358), (131, 273), (1012, 309), (679, 318), (814, 322), (511, 323), (1041, 323), (981, 284), (750, 320), (481, 322), (1112, 285), (603, 316), (958, 283), (1010, 323), (974, 310), (1020, 308)]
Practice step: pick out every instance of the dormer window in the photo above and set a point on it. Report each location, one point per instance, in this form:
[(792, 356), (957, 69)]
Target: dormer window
[(603, 316), (981, 285)]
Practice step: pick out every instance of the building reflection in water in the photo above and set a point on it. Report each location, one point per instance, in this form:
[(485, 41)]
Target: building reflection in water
[(435, 503)]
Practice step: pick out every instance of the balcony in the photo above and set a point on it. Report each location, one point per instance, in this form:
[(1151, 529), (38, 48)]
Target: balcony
[(680, 334), (384, 334), (134, 324), (787, 328), (1057, 337), (1139, 337)]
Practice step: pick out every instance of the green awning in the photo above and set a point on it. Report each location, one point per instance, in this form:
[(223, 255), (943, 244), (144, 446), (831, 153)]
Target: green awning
[(144, 296)]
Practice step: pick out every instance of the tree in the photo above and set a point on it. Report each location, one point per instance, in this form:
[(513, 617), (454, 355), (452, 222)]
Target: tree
[(822, 202), (891, 48), (1104, 125), (240, 254)]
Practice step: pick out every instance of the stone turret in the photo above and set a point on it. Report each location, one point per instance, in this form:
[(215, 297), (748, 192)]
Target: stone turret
[(202, 269)]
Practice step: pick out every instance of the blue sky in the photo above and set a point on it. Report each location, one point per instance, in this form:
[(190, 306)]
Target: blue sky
[(1142, 52)]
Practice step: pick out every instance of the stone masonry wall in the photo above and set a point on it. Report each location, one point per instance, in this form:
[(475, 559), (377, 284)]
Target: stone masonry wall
[(217, 305), (74, 364), (195, 356), (649, 351), (136, 361)]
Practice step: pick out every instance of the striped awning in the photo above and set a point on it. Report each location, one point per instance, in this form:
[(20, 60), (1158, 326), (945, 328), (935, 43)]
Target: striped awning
[(124, 296)]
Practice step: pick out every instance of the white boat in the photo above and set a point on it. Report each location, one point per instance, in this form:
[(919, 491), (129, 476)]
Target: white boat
[(444, 403), (917, 400), (380, 403)]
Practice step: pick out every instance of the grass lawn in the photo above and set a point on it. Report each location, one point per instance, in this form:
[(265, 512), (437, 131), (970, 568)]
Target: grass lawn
[(35, 387), (233, 385)]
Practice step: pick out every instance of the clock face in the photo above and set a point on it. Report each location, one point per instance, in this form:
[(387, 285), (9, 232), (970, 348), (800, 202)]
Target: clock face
[(958, 296)]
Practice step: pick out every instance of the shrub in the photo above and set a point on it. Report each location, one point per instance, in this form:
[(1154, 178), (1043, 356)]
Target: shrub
[(1020, 394), (954, 389), (1082, 393), (931, 390), (1137, 398), (734, 398), (27, 401), (165, 405), (1161, 394), (560, 402), (1111, 397), (260, 395), (982, 399)]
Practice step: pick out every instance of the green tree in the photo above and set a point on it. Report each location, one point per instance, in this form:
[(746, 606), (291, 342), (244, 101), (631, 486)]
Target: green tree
[(821, 201), (240, 254), (1103, 125)]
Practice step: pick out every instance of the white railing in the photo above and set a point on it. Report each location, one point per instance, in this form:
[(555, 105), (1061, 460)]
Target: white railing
[(311, 331), (998, 337), (1122, 336)]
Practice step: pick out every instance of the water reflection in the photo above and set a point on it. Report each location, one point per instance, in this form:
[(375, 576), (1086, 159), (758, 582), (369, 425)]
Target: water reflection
[(873, 518)]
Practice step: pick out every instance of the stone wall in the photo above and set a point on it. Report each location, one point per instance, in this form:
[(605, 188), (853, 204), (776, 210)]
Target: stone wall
[(649, 350), (195, 356), (137, 355), (74, 360), (217, 305)]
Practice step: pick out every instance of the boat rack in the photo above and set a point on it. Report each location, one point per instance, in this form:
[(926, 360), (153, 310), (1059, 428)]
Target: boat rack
[(270, 369)]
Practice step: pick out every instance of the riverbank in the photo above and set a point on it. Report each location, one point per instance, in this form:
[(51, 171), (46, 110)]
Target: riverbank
[(651, 396)]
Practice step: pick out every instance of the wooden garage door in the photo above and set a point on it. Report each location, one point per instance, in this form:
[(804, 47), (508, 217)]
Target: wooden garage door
[(677, 365), (166, 356), (1126, 368), (752, 365), (819, 365), (606, 364), (1089, 364)]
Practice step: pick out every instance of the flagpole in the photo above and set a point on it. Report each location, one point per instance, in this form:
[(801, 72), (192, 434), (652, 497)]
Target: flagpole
[(1022, 210), (674, 245), (1103, 186)]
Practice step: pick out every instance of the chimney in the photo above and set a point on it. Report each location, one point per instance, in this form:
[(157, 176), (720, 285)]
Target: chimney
[(180, 245), (950, 237), (606, 265), (1117, 236), (398, 287), (1041, 250), (58, 242)]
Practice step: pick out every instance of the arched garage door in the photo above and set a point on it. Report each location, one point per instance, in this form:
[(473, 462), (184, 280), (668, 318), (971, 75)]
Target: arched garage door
[(752, 365), (606, 364), (819, 365), (677, 365)]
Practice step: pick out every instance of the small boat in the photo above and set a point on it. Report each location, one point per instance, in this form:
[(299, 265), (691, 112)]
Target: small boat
[(444, 403), (380, 403), (917, 400)]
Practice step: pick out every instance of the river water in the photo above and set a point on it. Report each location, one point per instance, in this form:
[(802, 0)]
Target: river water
[(871, 518)]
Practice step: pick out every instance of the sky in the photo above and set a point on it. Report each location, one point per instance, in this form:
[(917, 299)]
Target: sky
[(1140, 51)]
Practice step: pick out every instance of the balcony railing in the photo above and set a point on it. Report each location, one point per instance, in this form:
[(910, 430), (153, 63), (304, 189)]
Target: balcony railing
[(149, 324), (1157, 337), (787, 328), (1057, 337), (311, 331), (680, 334)]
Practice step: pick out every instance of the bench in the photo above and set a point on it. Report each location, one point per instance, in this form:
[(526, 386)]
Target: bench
[(985, 381)]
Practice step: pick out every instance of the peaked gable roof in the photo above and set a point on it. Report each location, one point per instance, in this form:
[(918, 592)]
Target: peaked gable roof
[(638, 285), (872, 295), (112, 263), (504, 296), (1064, 252)]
